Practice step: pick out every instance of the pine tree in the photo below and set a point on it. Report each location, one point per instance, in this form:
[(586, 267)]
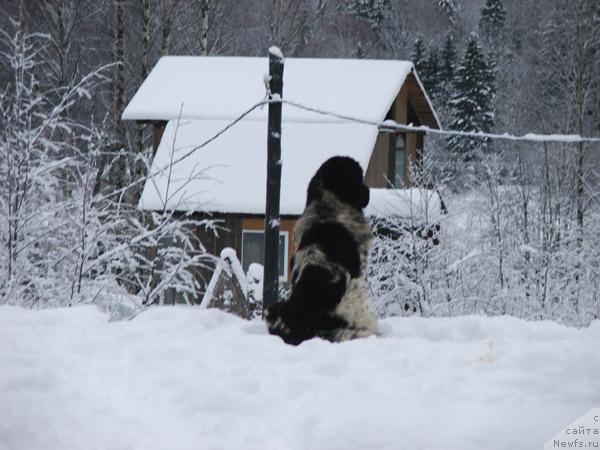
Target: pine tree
[(372, 10), (418, 55), (472, 101), (445, 77), (493, 17), (431, 74), (448, 62), (451, 8)]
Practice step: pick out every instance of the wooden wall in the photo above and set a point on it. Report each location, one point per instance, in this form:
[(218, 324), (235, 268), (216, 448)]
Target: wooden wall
[(382, 163), (230, 233)]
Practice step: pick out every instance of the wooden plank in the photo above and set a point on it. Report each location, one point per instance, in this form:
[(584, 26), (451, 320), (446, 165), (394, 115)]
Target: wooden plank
[(419, 102), (379, 164), (400, 105), (158, 129)]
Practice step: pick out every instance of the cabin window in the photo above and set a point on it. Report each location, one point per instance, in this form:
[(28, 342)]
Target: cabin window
[(399, 161), (253, 250)]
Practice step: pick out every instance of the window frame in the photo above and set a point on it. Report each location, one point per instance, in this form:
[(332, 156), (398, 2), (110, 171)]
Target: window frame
[(286, 243), (397, 136)]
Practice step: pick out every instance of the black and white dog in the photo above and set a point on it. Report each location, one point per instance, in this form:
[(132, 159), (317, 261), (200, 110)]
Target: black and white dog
[(332, 237)]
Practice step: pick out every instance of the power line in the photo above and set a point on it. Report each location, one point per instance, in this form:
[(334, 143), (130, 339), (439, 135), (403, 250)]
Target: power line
[(387, 125), (392, 126)]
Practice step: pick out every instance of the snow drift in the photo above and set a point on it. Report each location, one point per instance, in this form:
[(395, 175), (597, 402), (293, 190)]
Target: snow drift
[(188, 378)]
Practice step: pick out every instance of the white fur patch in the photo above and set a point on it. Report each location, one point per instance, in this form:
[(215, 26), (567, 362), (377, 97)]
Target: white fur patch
[(354, 308)]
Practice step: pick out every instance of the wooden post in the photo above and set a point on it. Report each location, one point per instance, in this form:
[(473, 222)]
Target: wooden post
[(271, 267)]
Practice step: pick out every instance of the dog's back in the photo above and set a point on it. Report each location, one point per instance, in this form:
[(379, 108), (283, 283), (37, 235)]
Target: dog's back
[(329, 297)]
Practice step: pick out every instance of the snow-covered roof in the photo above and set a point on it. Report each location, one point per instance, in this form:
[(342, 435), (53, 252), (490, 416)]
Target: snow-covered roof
[(199, 96), (228, 175), (220, 88)]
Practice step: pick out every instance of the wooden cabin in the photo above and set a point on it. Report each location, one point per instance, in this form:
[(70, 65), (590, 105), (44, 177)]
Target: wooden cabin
[(187, 100)]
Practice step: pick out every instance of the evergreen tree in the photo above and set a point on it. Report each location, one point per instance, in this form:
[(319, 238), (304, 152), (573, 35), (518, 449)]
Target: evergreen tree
[(431, 75), (446, 76), (451, 8), (493, 17), (472, 101), (372, 10), (418, 56), (448, 61)]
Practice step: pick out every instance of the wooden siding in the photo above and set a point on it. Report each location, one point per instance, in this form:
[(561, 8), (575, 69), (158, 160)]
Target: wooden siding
[(158, 128), (410, 106), (400, 107), (380, 172), (230, 234), (419, 102), (411, 156), (381, 164)]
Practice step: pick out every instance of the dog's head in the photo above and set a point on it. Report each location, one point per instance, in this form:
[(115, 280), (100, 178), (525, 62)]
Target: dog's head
[(342, 176)]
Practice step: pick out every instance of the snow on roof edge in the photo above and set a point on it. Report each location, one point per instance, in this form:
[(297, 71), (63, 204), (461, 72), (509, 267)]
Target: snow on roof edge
[(152, 101)]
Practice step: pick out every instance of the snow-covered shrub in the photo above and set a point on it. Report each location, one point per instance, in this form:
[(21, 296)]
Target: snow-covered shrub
[(399, 261), (254, 289), (67, 234), (510, 244), (38, 154)]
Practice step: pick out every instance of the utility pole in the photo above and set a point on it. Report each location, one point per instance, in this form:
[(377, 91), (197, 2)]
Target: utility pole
[(271, 267)]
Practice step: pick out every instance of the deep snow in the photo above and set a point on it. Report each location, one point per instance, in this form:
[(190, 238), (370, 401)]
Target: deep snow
[(188, 378)]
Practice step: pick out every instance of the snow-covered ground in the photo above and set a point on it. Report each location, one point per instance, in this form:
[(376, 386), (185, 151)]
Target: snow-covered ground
[(186, 378)]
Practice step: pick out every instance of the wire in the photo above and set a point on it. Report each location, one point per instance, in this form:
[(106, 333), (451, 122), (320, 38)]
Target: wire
[(387, 125), (390, 125)]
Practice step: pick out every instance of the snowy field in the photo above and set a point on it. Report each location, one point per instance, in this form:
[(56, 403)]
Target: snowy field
[(185, 378)]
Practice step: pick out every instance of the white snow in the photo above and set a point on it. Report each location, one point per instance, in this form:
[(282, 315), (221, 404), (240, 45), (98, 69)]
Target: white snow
[(228, 254), (417, 203), (254, 283), (255, 272), (212, 285), (567, 138), (228, 175), (189, 378), (274, 50), (220, 88), (528, 137)]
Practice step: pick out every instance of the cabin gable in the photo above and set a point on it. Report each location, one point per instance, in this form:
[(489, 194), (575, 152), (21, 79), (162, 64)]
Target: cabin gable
[(395, 153)]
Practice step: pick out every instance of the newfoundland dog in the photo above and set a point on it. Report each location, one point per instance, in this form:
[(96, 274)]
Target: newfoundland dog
[(332, 237)]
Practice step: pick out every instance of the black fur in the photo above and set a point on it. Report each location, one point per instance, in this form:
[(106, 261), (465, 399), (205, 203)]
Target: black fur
[(336, 242), (306, 314), (344, 177), (331, 238)]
